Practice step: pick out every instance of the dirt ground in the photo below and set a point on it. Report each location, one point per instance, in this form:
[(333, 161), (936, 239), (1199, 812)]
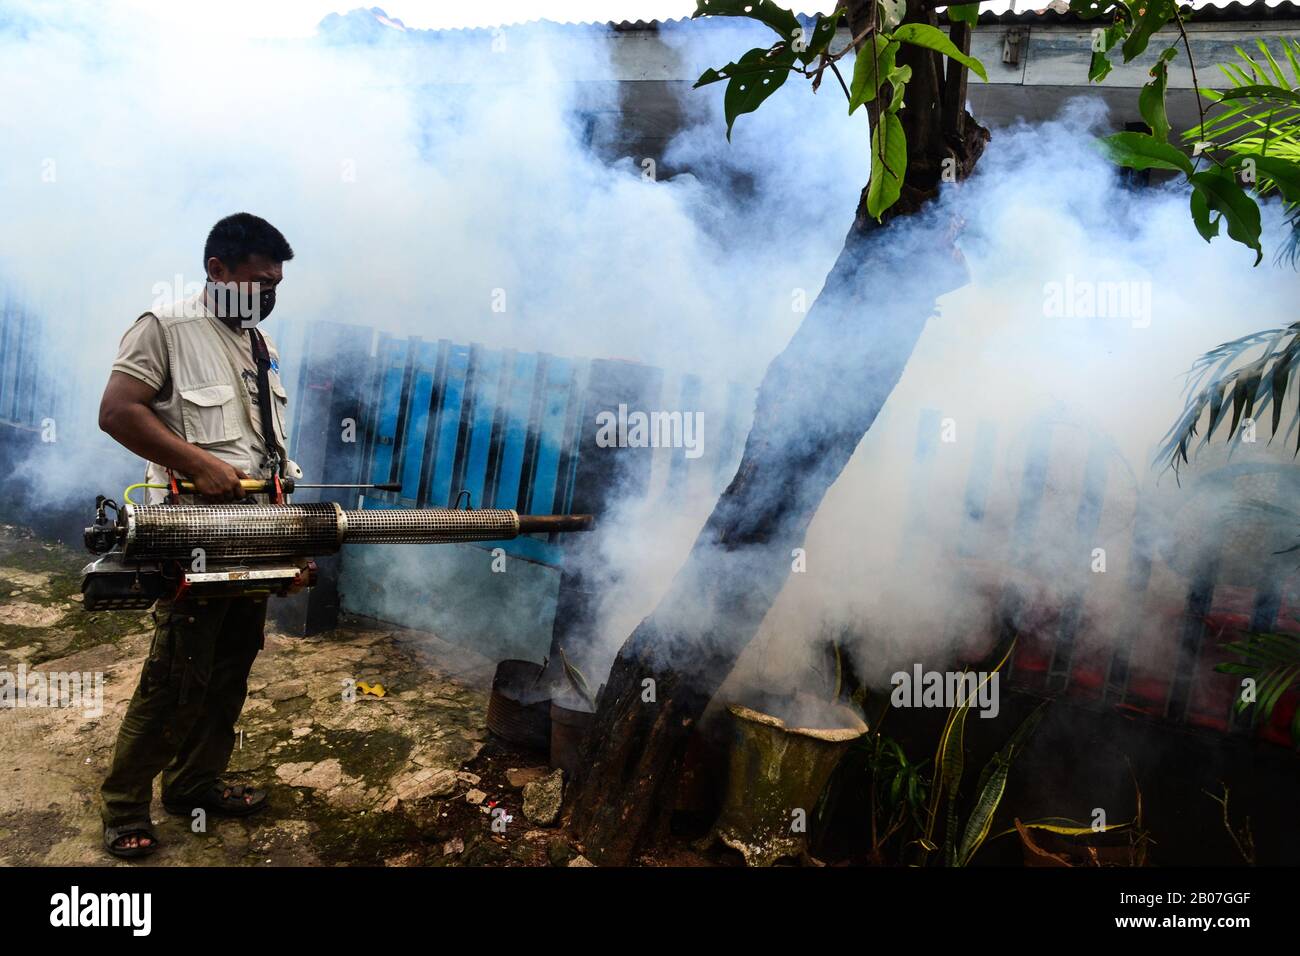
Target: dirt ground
[(405, 779)]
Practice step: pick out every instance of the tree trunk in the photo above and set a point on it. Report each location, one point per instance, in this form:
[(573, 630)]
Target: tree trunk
[(816, 401)]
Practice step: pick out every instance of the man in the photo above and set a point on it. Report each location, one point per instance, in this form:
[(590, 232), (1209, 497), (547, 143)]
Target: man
[(194, 391)]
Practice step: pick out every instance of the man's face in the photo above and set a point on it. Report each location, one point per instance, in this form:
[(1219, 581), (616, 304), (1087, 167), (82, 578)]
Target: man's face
[(245, 293)]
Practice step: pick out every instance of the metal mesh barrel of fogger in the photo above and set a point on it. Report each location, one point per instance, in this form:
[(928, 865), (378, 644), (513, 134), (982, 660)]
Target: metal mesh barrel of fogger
[(429, 525), (172, 532)]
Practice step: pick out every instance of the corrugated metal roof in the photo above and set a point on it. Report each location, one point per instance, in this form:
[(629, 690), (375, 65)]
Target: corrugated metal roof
[(1233, 12), (373, 19)]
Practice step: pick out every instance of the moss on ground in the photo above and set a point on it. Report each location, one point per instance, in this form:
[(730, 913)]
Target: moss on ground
[(74, 630), (372, 756)]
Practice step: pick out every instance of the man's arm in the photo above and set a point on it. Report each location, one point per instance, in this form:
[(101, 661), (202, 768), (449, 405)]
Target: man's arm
[(124, 413)]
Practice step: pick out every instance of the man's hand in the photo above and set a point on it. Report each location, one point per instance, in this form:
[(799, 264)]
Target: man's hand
[(215, 480)]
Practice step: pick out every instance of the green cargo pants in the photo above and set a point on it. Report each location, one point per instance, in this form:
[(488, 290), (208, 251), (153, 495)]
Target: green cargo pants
[(181, 721)]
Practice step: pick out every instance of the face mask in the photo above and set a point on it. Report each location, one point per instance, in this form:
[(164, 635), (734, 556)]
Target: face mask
[(267, 303)]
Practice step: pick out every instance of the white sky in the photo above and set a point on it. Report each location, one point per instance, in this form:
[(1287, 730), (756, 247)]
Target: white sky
[(284, 18)]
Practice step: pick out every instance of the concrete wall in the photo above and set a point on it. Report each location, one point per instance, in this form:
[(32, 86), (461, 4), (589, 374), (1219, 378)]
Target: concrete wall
[(1051, 68)]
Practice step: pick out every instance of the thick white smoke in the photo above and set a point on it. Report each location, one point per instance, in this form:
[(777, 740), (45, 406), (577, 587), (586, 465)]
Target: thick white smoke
[(421, 178)]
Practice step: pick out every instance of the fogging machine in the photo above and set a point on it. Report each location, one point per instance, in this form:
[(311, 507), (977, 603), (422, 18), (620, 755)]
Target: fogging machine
[(170, 551)]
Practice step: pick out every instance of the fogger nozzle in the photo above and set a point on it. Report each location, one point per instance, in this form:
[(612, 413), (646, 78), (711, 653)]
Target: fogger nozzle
[(260, 532)]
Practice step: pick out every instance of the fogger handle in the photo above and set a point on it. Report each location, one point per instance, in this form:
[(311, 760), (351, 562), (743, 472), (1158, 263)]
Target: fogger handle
[(255, 486)]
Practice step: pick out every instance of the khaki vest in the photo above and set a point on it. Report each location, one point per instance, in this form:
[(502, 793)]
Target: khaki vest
[(208, 404)]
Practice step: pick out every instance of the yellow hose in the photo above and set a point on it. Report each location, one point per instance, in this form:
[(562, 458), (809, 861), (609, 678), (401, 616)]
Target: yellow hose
[(126, 495)]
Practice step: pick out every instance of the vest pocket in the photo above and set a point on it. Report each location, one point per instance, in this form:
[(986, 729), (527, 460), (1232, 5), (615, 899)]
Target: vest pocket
[(209, 414)]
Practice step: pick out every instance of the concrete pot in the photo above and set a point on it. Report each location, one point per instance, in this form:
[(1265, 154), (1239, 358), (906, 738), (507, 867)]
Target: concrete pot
[(778, 767)]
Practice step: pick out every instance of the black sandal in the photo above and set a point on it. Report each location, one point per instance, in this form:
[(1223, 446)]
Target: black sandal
[(143, 828), (221, 800)]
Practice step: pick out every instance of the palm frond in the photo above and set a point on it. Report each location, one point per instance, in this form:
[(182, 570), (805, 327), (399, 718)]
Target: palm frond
[(1272, 661), (1289, 251), (1259, 115), (1225, 379)]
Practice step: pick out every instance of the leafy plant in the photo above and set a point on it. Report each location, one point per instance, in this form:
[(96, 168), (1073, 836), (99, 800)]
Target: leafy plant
[(960, 844), (992, 784), (1228, 379), (1272, 661), (1253, 135), (1257, 123), (899, 787), (1078, 851), (879, 82), (876, 769)]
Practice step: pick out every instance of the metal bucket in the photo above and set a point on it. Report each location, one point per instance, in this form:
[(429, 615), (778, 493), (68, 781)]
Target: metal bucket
[(519, 708), (568, 728)]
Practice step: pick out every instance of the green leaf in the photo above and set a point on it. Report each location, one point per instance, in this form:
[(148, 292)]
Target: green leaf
[(1244, 670), (993, 782), (1278, 75), (1279, 683), (1263, 92), (870, 72), (757, 61), (1099, 68), (964, 13), (1281, 371), (1151, 101), (710, 75), (1065, 826), (898, 80), (981, 818), (1284, 173), (1234, 74), (1143, 151), (819, 36), (747, 90), (924, 35), (889, 141), (1208, 230), (1154, 15), (780, 19), (1256, 70), (1091, 9), (1290, 50), (1239, 211), (954, 756), (892, 13)]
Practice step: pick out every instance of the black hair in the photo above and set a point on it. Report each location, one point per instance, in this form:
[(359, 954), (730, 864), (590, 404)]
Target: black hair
[(237, 238)]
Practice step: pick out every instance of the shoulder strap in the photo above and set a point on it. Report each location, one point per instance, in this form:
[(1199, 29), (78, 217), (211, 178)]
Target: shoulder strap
[(262, 356)]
